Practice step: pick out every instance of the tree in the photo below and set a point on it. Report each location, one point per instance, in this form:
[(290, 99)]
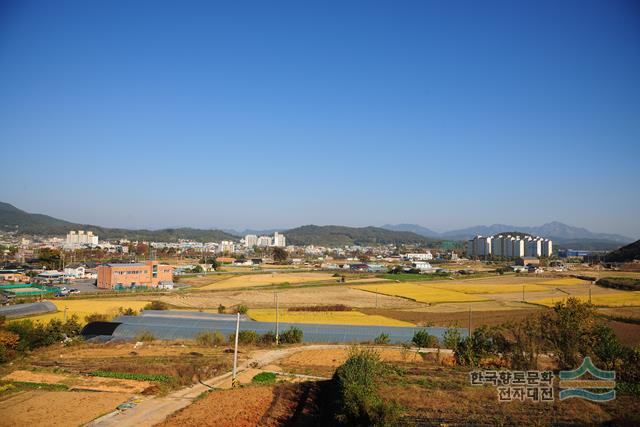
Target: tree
[(424, 339), (569, 331), (279, 255)]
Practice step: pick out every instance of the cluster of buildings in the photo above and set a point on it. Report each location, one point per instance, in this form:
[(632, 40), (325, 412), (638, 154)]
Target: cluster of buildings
[(509, 246), (278, 241)]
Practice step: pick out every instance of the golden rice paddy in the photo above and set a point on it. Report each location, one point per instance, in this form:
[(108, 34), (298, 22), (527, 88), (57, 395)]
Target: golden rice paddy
[(82, 308), (565, 282), (324, 317), (266, 279), (618, 299), (420, 293), (490, 289)]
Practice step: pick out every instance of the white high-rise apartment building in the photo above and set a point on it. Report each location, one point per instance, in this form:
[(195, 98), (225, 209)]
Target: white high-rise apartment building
[(81, 238), (279, 240), (509, 246), (250, 240), (264, 241), (226, 246)]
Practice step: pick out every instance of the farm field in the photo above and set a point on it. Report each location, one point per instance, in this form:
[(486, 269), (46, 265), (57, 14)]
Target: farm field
[(263, 298), (83, 308), (471, 288), (613, 299), (56, 408), (266, 279), (568, 281), (420, 293), (325, 317)]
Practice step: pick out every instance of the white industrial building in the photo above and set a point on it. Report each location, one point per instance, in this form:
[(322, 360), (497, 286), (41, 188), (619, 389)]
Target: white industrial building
[(427, 256), (508, 246)]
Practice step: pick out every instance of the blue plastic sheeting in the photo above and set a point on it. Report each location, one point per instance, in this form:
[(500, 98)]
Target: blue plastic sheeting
[(171, 328), (22, 310), (195, 315)]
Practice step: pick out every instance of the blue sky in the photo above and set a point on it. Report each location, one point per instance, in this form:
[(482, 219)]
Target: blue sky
[(278, 114)]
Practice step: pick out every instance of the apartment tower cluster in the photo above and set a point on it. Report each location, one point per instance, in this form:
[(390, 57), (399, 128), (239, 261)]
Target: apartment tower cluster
[(508, 246), (278, 240)]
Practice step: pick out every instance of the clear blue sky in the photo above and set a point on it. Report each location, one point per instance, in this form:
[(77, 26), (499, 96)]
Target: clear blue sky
[(278, 114)]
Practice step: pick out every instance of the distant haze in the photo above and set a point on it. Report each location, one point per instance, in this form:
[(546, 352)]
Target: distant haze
[(235, 116)]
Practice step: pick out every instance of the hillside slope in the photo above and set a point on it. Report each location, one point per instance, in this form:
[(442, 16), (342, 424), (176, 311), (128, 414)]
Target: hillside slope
[(334, 235), (14, 219), (625, 253)]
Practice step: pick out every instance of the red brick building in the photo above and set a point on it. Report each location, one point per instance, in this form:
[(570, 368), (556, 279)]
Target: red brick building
[(147, 273)]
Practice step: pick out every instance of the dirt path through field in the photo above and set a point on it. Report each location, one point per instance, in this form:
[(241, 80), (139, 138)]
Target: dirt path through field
[(153, 411)]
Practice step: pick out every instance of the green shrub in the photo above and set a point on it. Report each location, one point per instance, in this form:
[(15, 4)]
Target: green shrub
[(127, 311), (157, 305), (268, 338), (424, 339), (244, 337), (471, 350), (264, 378), (145, 336), (291, 336), (451, 338), (382, 339), (221, 309), (210, 339), (242, 309), (358, 403)]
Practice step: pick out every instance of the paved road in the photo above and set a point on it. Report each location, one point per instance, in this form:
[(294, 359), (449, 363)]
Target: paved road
[(154, 410)]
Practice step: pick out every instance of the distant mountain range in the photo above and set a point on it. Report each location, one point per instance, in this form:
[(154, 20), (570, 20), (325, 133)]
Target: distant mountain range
[(17, 220), (14, 219), (562, 234)]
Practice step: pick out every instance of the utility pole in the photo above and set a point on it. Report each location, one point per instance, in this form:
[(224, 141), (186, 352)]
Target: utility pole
[(234, 379), (277, 321)]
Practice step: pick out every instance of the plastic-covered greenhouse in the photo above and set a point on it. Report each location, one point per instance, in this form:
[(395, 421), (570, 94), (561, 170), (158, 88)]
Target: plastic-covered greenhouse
[(21, 310), (187, 325)]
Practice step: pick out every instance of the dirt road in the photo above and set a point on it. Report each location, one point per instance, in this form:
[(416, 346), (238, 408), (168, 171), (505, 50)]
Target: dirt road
[(152, 411)]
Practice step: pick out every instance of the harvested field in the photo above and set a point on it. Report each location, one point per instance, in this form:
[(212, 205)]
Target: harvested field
[(263, 298), (627, 333), (82, 308), (614, 299), (80, 383), (57, 408), (569, 281), (420, 293), (629, 312), (266, 279), (459, 318), (241, 407), (324, 317)]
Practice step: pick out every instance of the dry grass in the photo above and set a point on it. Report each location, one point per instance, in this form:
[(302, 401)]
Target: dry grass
[(325, 317), (266, 279), (420, 292)]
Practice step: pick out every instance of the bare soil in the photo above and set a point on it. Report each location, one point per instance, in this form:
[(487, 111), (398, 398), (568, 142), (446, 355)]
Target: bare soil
[(57, 408)]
